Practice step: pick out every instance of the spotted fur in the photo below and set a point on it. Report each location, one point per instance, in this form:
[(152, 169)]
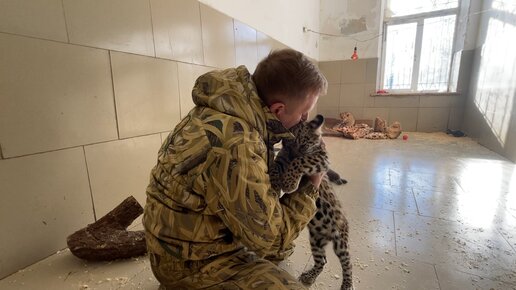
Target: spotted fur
[(306, 155)]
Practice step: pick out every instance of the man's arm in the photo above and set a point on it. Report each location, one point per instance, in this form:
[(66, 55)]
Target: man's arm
[(239, 191)]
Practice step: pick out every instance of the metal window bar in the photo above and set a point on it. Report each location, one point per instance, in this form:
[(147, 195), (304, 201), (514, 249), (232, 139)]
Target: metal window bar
[(419, 19)]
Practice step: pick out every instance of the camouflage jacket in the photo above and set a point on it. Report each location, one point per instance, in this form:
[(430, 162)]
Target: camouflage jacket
[(209, 192)]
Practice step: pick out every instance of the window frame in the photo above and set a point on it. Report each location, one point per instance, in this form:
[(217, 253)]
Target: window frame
[(419, 19)]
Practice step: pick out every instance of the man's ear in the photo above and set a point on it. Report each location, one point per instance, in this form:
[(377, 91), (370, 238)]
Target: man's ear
[(278, 109)]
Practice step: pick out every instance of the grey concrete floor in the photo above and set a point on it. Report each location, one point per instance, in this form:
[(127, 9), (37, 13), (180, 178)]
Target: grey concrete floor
[(431, 212)]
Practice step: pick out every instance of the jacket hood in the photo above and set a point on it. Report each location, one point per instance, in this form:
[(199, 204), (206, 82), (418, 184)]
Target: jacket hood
[(232, 92)]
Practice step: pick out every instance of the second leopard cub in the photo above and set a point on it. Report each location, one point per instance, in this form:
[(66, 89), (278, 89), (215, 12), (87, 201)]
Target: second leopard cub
[(307, 156)]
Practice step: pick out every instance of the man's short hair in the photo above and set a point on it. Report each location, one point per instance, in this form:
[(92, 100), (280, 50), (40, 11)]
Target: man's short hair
[(287, 74)]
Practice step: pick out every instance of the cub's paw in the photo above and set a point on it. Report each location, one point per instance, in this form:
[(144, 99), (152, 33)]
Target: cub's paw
[(307, 278)]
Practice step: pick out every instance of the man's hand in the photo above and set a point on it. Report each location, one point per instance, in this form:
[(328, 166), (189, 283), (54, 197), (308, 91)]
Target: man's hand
[(316, 179)]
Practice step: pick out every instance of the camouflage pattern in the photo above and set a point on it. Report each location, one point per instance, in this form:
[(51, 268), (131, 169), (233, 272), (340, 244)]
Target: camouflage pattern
[(209, 194), (239, 270)]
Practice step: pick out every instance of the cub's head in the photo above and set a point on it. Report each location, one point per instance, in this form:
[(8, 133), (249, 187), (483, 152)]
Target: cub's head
[(308, 136)]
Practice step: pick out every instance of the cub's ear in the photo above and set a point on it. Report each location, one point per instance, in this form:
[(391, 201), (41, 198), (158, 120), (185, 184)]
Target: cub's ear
[(317, 122)]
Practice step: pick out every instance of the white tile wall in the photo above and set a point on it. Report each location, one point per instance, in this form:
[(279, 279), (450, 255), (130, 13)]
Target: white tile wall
[(357, 81), (123, 25), (37, 18), (406, 116), (188, 74), (397, 101), (353, 71), (438, 101), (119, 169), (266, 44), (332, 97), (331, 70), (358, 112), (218, 38), (45, 198), (456, 118), (56, 95), (371, 70), (372, 113), (433, 119), (177, 30), (352, 95), (329, 112), (368, 90), (246, 49), (146, 93), (53, 96)]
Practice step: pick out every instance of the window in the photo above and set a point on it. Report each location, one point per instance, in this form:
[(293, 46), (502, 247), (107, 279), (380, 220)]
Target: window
[(417, 49)]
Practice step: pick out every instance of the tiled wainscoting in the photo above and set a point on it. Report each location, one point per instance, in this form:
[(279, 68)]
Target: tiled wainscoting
[(88, 90), (351, 84)]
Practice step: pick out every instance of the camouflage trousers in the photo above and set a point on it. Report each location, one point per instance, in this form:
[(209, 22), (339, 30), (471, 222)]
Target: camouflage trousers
[(239, 270)]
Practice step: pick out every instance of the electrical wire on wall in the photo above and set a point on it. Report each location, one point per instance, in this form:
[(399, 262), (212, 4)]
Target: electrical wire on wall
[(354, 56)]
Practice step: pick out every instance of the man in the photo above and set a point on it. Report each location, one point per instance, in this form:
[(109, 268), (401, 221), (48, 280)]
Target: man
[(212, 220)]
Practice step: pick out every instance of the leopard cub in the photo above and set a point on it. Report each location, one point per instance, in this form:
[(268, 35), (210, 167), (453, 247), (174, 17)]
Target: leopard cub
[(306, 155)]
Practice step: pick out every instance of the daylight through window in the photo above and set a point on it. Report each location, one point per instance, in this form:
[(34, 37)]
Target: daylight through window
[(418, 45)]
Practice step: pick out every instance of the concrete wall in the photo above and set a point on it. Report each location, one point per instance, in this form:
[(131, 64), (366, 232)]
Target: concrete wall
[(355, 22), (490, 114), (88, 90), (282, 20)]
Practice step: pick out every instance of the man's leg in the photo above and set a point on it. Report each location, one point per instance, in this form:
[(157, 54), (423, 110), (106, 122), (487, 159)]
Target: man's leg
[(259, 274), (240, 270)]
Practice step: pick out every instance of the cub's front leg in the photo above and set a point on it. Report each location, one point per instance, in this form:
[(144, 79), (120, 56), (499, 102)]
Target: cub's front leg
[(304, 165)]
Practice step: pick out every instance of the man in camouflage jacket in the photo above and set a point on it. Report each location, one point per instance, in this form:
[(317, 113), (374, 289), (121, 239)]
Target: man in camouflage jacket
[(212, 220)]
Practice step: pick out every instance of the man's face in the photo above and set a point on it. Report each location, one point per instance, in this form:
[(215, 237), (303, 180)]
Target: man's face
[(293, 113)]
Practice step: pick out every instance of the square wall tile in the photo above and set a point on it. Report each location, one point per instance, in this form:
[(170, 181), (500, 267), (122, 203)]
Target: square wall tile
[(406, 116), (352, 95), (45, 198), (123, 25), (397, 101), (188, 74), (146, 94), (353, 71), (331, 70), (64, 93), (37, 18), (372, 113), (218, 38), (177, 30), (358, 112), (120, 169), (456, 118), (246, 49), (164, 136), (369, 89), (328, 112), (332, 98), (266, 44), (433, 119), (371, 70), (437, 101)]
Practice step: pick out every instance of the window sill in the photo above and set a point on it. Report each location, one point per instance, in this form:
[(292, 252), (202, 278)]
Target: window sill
[(408, 94)]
